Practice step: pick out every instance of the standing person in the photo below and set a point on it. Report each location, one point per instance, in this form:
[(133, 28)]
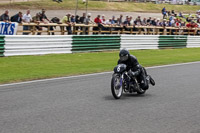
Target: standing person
[(164, 13), (87, 22), (82, 19), (17, 17), (36, 19), (5, 17), (144, 22), (114, 21), (66, 20), (126, 24), (43, 17), (103, 19), (98, 21), (163, 10), (26, 19), (149, 21), (121, 19)]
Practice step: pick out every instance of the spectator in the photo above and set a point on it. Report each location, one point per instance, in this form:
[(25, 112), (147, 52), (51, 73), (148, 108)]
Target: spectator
[(82, 19), (138, 22), (120, 19), (164, 13), (58, 1), (198, 14), (43, 17), (198, 20), (5, 17), (173, 22), (153, 22), (109, 21), (139, 18), (36, 19), (54, 20), (66, 20), (113, 21), (164, 23), (178, 22), (188, 19), (131, 20), (192, 24), (127, 23), (73, 21), (103, 20), (126, 19), (181, 15), (87, 21), (168, 13), (97, 20), (173, 12), (149, 21), (26, 19), (171, 17), (158, 22), (17, 18), (163, 10), (144, 22), (77, 20)]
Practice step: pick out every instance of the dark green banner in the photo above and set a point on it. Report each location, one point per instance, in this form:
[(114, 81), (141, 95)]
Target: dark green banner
[(2, 43), (84, 43), (175, 41)]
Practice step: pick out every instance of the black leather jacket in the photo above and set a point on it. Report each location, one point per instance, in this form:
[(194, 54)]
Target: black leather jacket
[(133, 64)]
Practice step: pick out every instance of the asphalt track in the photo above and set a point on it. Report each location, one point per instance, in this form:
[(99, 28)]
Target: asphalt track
[(85, 105)]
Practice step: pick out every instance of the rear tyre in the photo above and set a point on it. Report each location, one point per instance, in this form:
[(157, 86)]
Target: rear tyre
[(141, 91), (116, 86)]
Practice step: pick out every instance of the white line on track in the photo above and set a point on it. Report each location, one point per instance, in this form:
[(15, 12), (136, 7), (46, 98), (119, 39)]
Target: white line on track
[(69, 77)]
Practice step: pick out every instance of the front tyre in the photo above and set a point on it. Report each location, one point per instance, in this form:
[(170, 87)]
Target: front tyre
[(116, 86)]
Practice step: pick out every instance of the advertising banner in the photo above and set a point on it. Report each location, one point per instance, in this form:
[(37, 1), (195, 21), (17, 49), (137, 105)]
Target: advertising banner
[(8, 28)]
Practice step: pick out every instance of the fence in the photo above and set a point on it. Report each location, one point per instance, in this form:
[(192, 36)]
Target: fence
[(106, 29), (36, 45)]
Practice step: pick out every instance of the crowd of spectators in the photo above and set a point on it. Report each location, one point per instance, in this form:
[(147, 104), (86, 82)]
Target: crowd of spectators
[(170, 19)]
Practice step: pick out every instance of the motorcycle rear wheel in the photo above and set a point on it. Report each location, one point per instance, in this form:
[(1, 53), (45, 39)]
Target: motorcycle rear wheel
[(116, 86), (140, 91)]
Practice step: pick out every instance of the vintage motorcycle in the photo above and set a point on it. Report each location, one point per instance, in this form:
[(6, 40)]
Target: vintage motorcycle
[(122, 82)]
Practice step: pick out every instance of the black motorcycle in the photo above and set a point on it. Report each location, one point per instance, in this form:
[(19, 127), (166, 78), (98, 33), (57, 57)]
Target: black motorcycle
[(122, 81)]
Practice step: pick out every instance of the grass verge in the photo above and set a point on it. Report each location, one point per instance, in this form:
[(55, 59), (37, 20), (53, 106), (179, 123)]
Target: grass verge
[(23, 68), (100, 5)]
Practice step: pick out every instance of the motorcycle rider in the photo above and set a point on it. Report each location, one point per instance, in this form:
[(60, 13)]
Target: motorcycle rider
[(135, 69)]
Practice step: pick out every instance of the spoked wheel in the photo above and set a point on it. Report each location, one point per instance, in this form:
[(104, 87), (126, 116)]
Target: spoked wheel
[(116, 86)]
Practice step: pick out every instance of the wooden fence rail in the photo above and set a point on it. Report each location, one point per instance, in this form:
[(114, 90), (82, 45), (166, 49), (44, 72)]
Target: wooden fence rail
[(61, 29)]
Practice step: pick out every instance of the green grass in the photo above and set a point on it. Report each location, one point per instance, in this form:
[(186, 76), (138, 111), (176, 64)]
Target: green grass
[(23, 68), (100, 5)]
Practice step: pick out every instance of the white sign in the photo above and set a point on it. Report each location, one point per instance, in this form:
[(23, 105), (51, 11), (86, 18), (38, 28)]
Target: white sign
[(8, 28)]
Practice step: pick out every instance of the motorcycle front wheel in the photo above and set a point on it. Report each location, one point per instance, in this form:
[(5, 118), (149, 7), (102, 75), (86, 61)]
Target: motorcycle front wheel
[(116, 86)]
